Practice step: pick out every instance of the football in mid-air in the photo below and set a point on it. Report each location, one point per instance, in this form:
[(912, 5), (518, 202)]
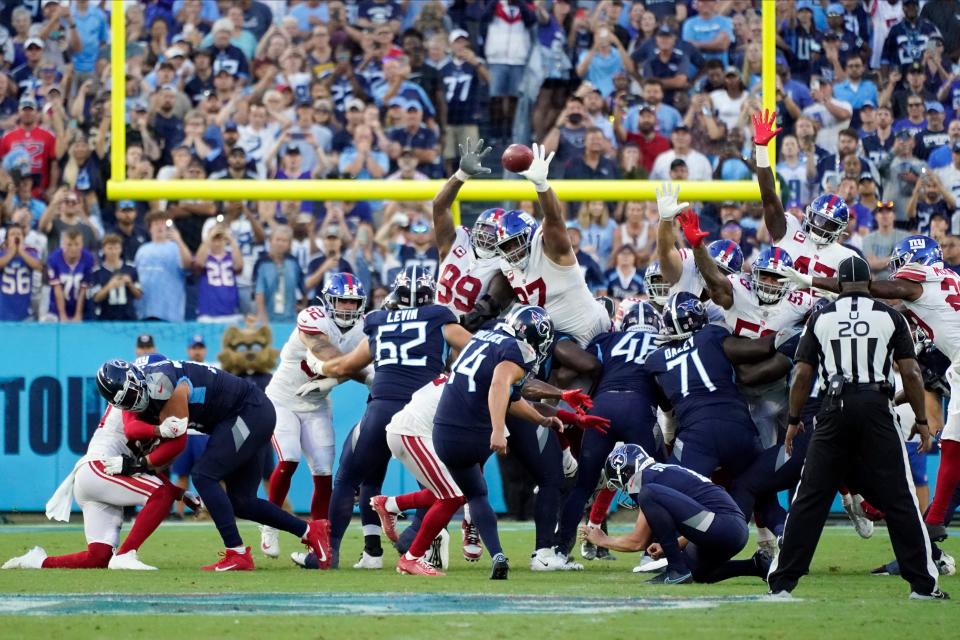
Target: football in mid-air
[(517, 158)]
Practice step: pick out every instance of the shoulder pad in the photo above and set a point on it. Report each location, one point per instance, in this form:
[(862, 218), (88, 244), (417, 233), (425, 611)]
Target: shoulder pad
[(916, 273), (312, 320)]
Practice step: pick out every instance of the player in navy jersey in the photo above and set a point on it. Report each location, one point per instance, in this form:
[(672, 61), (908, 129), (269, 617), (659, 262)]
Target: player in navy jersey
[(408, 346), (239, 420), (627, 395), (470, 422), (17, 264), (674, 501), (695, 371)]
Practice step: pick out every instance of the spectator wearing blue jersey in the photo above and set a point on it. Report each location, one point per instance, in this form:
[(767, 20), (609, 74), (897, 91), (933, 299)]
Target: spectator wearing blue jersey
[(712, 34), (603, 60), (279, 280), (17, 265), (218, 262), (161, 264), (310, 14), (68, 273), (114, 285), (624, 280)]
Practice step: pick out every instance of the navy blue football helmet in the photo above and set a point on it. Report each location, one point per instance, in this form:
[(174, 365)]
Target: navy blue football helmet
[(727, 254), (483, 235), (515, 231), (771, 263), (915, 250), (657, 287), (413, 287), (344, 287), (682, 316), (634, 314), (531, 325), (622, 471), (826, 218), (123, 385)]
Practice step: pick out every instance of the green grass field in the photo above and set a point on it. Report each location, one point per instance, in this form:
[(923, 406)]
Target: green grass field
[(838, 600)]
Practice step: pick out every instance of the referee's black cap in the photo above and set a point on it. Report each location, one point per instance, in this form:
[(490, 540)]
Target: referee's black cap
[(853, 269)]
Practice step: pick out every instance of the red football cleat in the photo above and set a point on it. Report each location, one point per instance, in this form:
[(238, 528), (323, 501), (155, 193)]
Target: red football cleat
[(231, 560), (417, 567), (472, 546), (318, 539), (388, 521)]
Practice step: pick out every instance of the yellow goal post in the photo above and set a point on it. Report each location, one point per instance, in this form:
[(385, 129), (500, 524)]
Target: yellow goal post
[(120, 188)]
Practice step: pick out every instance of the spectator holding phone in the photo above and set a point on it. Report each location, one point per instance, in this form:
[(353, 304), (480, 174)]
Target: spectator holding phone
[(218, 262)]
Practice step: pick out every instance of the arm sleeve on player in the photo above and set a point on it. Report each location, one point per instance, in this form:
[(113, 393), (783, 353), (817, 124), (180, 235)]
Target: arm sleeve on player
[(136, 429), (166, 451)]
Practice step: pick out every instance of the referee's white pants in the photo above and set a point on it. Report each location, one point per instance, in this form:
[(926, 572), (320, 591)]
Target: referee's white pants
[(102, 498), (417, 454), (301, 434), (951, 430)]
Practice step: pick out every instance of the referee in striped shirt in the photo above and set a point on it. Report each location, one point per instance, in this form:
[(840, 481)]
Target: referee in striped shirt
[(854, 342)]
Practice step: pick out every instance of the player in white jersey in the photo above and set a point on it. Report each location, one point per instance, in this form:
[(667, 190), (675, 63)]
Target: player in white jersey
[(813, 244), (469, 281), (931, 295), (116, 472), (329, 328), (541, 266)]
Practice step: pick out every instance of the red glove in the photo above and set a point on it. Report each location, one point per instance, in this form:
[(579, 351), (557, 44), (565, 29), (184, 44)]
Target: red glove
[(690, 224), (577, 400), (568, 417), (763, 124), (597, 423)]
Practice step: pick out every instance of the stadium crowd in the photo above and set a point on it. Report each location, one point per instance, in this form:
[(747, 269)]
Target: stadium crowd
[(868, 94)]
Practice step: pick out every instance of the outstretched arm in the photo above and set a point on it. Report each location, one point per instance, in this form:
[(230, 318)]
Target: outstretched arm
[(470, 166), (746, 350), (769, 370), (345, 365), (671, 265), (773, 214), (721, 290), (556, 243), (896, 289)]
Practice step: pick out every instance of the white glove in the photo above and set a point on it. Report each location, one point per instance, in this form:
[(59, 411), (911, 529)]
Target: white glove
[(173, 427), (539, 168), (368, 379), (570, 464), (113, 465), (323, 384), (801, 280), (785, 335), (315, 363), (667, 204)]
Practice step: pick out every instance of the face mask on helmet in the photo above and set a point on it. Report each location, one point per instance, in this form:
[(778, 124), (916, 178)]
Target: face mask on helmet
[(822, 229), (123, 386), (658, 289), (346, 310), (484, 239), (515, 250), (767, 290)]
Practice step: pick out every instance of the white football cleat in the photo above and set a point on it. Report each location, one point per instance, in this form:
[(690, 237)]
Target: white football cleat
[(367, 561), (32, 559), (270, 541), (299, 558), (129, 562), (570, 464), (863, 525), (438, 555), (649, 565), (546, 559), (569, 564), (472, 546), (946, 565)]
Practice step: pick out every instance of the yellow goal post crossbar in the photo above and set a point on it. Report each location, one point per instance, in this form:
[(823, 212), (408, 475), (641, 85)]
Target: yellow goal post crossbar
[(120, 188)]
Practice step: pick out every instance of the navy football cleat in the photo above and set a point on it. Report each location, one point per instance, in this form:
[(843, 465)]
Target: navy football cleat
[(672, 576), (500, 567)]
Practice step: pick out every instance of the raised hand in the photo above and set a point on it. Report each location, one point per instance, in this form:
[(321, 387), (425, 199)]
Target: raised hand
[(597, 423), (690, 225), (539, 168), (471, 159), (801, 280), (667, 204), (763, 127), (577, 399)]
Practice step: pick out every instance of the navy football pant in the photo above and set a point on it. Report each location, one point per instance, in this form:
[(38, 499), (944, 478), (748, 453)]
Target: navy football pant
[(538, 450), (715, 443), (233, 455), (626, 411), (464, 452), (713, 537), (363, 465)]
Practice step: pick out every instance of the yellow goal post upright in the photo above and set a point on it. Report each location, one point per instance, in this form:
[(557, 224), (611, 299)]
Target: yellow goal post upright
[(120, 188)]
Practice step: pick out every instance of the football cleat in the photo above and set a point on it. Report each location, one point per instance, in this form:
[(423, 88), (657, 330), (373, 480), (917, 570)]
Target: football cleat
[(762, 560), (937, 532), (305, 560), (779, 595), (500, 568), (863, 525), (946, 565), (388, 521), (269, 541), (129, 562), (231, 560), (418, 567), (472, 546), (546, 559), (672, 576), (588, 550), (32, 559), (604, 554), (935, 595), (318, 539), (368, 561), (569, 564), (649, 565), (438, 555)]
